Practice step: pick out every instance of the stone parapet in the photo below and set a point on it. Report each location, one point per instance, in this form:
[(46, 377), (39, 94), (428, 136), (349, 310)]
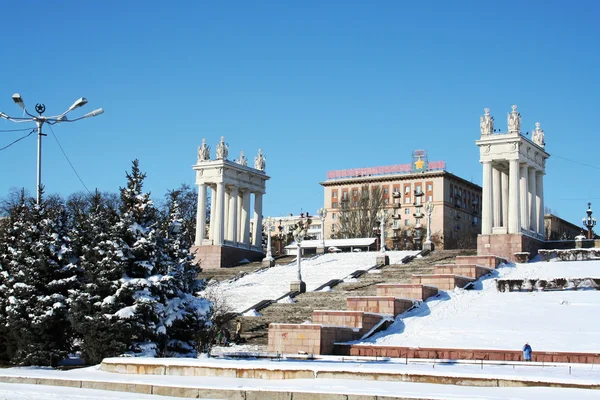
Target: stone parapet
[(443, 281), (505, 246), (308, 338), (484, 260), (378, 304), (354, 319), (463, 354), (212, 257), (407, 290), (472, 271)]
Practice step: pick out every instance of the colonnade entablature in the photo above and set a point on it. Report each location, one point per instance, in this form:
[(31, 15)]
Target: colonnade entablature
[(513, 171), (232, 183)]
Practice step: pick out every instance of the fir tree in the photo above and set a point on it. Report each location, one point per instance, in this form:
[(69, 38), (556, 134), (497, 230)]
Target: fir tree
[(137, 229), (100, 332), (41, 273), (183, 315)]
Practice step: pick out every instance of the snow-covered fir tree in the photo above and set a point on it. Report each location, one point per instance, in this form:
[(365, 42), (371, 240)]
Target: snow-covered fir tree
[(183, 316), (99, 332), (40, 273)]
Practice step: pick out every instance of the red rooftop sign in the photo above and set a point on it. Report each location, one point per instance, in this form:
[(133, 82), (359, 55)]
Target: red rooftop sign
[(392, 169)]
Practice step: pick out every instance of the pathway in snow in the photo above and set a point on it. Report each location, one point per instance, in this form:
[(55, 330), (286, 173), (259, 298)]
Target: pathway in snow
[(488, 319), (274, 282)]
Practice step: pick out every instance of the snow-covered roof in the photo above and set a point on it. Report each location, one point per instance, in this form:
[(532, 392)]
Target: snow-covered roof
[(356, 242)]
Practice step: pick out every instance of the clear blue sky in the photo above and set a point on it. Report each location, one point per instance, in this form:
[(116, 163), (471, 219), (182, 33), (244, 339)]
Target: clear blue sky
[(318, 85)]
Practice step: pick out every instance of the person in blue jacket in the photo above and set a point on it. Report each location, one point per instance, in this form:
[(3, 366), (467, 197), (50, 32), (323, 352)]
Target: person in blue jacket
[(527, 352)]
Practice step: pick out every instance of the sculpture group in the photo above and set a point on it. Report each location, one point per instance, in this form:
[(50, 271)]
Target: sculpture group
[(222, 153), (486, 126)]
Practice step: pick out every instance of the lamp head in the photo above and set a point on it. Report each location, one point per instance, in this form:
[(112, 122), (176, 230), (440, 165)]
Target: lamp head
[(18, 100), (2, 115), (78, 103), (94, 113)]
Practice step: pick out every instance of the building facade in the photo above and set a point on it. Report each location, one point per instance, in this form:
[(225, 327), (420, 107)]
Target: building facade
[(406, 188)]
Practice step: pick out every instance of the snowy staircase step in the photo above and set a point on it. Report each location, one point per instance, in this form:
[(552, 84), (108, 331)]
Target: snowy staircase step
[(485, 261), (364, 321), (470, 270), (407, 290), (379, 304), (443, 281)]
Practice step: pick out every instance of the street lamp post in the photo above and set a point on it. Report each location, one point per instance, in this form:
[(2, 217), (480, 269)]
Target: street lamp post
[(280, 236), (428, 245), (40, 120), (589, 222), (382, 258), (322, 213), (268, 261), (299, 233)]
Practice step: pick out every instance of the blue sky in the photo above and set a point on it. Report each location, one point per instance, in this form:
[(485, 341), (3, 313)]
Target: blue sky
[(318, 85)]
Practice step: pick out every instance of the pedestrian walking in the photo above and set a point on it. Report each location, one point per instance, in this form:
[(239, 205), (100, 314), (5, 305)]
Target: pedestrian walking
[(527, 352)]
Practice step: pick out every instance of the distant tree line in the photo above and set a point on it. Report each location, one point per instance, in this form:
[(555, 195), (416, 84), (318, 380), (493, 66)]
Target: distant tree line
[(102, 274)]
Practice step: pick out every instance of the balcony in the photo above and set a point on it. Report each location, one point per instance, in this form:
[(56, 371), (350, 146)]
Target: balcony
[(396, 195), (396, 205), (457, 216), (396, 216), (396, 228), (418, 215), (419, 193)]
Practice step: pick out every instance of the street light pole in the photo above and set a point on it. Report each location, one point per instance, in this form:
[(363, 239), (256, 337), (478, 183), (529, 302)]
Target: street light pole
[(40, 120), (322, 213), (589, 222)]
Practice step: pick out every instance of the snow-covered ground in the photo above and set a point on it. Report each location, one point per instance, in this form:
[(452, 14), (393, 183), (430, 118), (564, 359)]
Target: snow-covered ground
[(580, 374), (487, 319), (272, 283)]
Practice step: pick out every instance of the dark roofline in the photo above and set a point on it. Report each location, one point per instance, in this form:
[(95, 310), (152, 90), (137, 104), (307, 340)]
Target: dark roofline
[(398, 177)]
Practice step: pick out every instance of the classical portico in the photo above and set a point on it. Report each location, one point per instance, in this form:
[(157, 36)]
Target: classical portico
[(514, 166), (233, 185)]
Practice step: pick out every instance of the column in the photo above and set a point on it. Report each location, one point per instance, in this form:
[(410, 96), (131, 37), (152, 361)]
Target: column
[(514, 219), (246, 218), (497, 197), (540, 203), (233, 217), (504, 183), (213, 204), (226, 216), (486, 200), (219, 208), (201, 215), (532, 200), (240, 221), (257, 234), (524, 202)]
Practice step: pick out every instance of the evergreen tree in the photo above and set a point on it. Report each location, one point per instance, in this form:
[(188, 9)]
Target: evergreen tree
[(100, 332), (184, 315), (137, 228), (40, 274)]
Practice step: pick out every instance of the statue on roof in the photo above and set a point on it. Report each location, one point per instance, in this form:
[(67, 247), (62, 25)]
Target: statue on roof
[(538, 136), (203, 151), (486, 123), (260, 161), (514, 121), (242, 160), (222, 149)]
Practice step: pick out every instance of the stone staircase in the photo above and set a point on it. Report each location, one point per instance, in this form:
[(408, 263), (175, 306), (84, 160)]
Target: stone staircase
[(390, 299), (223, 274), (255, 329)]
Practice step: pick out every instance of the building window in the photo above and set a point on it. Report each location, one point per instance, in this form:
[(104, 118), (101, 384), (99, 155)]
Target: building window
[(406, 222), (334, 195), (429, 187), (355, 193), (407, 200), (418, 189), (395, 223), (386, 201), (355, 204), (407, 189), (332, 227), (385, 190), (430, 198), (332, 215), (344, 195), (407, 211), (396, 189), (334, 205)]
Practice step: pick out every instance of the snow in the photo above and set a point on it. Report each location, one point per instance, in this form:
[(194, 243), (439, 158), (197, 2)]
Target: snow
[(286, 300), (252, 313), (274, 282), (487, 319), (533, 372)]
